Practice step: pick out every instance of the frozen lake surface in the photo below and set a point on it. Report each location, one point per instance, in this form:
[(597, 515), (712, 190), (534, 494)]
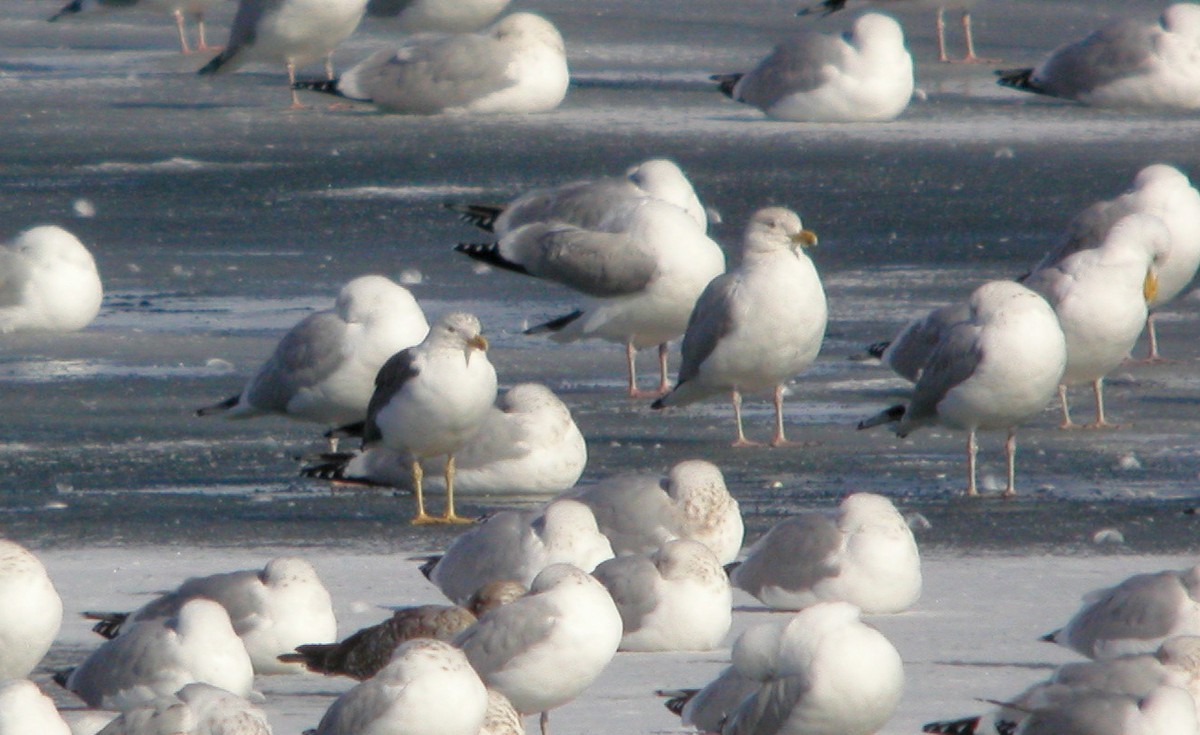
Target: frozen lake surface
[(218, 218)]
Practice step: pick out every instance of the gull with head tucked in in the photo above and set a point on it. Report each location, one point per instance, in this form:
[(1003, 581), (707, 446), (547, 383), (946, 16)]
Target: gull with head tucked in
[(519, 65), (758, 325), (48, 283), (993, 370), (865, 556), (1128, 64), (31, 614), (25, 710), (196, 709), (864, 75)]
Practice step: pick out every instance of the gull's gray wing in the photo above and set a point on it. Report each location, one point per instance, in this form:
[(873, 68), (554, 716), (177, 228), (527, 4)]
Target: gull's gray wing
[(306, 355), (1086, 231), (711, 319), (1107, 55), (592, 262), (505, 633), (709, 708), (793, 556), (954, 360), (800, 64), (630, 581), (398, 370), (585, 204), (387, 8), (912, 348), (243, 32), (1144, 606), (768, 709)]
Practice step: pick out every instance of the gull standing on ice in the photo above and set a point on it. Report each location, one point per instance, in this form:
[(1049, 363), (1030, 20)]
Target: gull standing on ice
[(156, 657), (196, 709), (25, 710), (1160, 190), (865, 556), (439, 16), (31, 613), (516, 545), (994, 370), (641, 512), (48, 283), (529, 444), (544, 649), (1135, 616), (293, 32), (273, 609), (864, 75), (642, 261), (428, 688), (324, 368), (823, 672), (675, 599), (757, 325), (1100, 295), (180, 10), (519, 65), (825, 7), (429, 400), (1129, 63)]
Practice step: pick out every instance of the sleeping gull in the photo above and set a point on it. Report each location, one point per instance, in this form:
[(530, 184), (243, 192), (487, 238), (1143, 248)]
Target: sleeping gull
[(442, 16), (157, 657), (518, 545), (180, 10), (324, 368), (428, 688), (365, 652), (993, 370), (519, 65), (1175, 663), (864, 75), (293, 32), (1135, 616), (675, 599), (25, 710), (545, 648), (825, 7), (640, 512), (1128, 63), (641, 260), (758, 325), (821, 671), (273, 609), (31, 615), (196, 709), (48, 283), (430, 399), (1165, 192), (865, 556), (1100, 295), (528, 444)]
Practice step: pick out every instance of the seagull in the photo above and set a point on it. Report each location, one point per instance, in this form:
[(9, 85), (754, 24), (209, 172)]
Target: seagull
[(1135, 616), (993, 370), (865, 556), (758, 325), (545, 648), (821, 671), (518, 65), (1176, 663), (1128, 63), (1100, 295), (293, 32), (180, 10), (31, 615), (430, 399), (48, 283), (501, 718), (1160, 190), (675, 599), (518, 545), (196, 708), (273, 609), (428, 688), (641, 260), (364, 653), (864, 75), (640, 512), (324, 368), (528, 444), (158, 656), (439, 16), (25, 709), (825, 7)]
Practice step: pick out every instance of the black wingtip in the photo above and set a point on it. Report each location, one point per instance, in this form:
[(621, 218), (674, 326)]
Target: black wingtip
[(482, 216), (489, 253), (1049, 637), (731, 567), (355, 430), (677, 699), (221, 407), (555, 324), (887, 416), (69, 9), (427, 567), (965, 726), (1021, 79), (324, 86), (825, 8), (214, 65), (877, 349), (109, 623), (61, 676), (726, 82)]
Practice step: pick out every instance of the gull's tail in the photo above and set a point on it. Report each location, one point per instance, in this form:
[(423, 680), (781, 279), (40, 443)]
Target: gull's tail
[(482, 216)]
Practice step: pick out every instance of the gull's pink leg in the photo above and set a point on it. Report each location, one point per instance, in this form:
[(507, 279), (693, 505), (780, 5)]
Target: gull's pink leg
[(183, 44), (1010, 454), (970, 57), (741, 440), (1100, 422), (972, 449), (1067, 423)]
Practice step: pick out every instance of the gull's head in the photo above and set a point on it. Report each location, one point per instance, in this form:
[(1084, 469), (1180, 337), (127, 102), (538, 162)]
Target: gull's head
[(777, 228), (459, 329)]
